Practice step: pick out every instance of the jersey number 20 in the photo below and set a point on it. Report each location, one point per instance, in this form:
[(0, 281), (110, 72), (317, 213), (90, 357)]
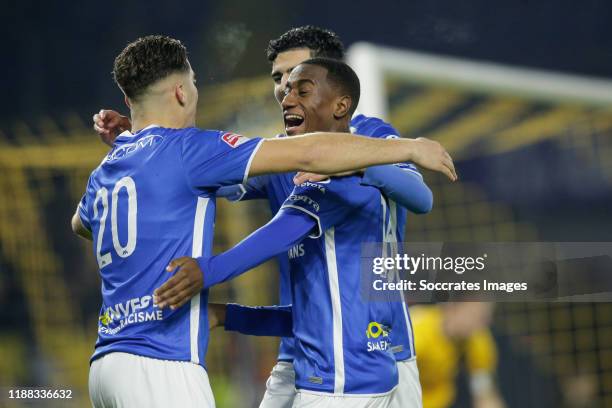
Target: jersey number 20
[(102, 196)]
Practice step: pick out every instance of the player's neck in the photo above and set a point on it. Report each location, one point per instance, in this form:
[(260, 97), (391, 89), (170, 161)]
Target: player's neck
[(141, 119)]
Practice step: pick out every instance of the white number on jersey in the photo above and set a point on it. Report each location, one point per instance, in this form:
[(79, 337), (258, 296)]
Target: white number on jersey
[(102, 196)]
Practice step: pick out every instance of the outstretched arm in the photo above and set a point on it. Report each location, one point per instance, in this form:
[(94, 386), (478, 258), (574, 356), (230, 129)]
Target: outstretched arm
[(285, 230), (324, 153), (330, 153)]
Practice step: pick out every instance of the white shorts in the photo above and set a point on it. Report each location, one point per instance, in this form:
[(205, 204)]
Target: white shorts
[(281, 392), (309, 400), (280, 387), (408, 392), (122, 380)]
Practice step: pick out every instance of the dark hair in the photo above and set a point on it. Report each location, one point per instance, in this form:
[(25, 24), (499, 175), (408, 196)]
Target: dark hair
[(146, 61), (322, 43), (340, 75)]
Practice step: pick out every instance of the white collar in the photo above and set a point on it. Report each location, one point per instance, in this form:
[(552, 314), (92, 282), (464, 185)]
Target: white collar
[(127, 133)]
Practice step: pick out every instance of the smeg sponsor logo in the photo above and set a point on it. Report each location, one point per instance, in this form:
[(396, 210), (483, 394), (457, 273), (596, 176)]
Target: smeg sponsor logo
[(130, 148), (378, 337)]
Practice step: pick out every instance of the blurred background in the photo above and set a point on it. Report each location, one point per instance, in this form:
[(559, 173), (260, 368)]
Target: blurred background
[(529, 126)]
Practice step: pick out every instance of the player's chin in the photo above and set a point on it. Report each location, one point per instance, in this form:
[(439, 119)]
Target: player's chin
[(295, 130)]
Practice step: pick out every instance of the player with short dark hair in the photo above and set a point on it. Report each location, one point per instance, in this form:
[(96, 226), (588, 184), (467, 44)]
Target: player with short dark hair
[(321, 43), (152, 199), (146, 60), (342, 76)]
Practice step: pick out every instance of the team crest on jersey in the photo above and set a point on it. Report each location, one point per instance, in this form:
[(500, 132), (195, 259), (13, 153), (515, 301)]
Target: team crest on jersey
[(233, 139)]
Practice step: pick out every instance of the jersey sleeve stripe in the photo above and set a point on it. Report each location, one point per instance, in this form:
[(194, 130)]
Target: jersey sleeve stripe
[(248, 166), (196, 251), (242, 193), (313, 215)]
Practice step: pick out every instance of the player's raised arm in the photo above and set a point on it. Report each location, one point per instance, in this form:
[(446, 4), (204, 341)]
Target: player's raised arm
[(329, 153)]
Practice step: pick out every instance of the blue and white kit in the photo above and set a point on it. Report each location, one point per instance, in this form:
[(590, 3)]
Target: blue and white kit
[(137, 231), (401, 182)]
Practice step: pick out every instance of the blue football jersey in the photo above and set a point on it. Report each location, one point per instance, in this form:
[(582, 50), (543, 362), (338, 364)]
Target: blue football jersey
[(152, 199), (342, 340), (276, 188)]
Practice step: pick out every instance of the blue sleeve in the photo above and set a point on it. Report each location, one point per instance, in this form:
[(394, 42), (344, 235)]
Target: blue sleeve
[(401, 182), (84, 209), (83, 212), (259, 320), (212, 159), (285, 230), (405, 187), (329, 202), (235, 192), (254, 188)]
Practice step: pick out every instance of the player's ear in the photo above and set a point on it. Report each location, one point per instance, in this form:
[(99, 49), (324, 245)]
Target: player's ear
[(127, 101), (179, 93), (343, 106)]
